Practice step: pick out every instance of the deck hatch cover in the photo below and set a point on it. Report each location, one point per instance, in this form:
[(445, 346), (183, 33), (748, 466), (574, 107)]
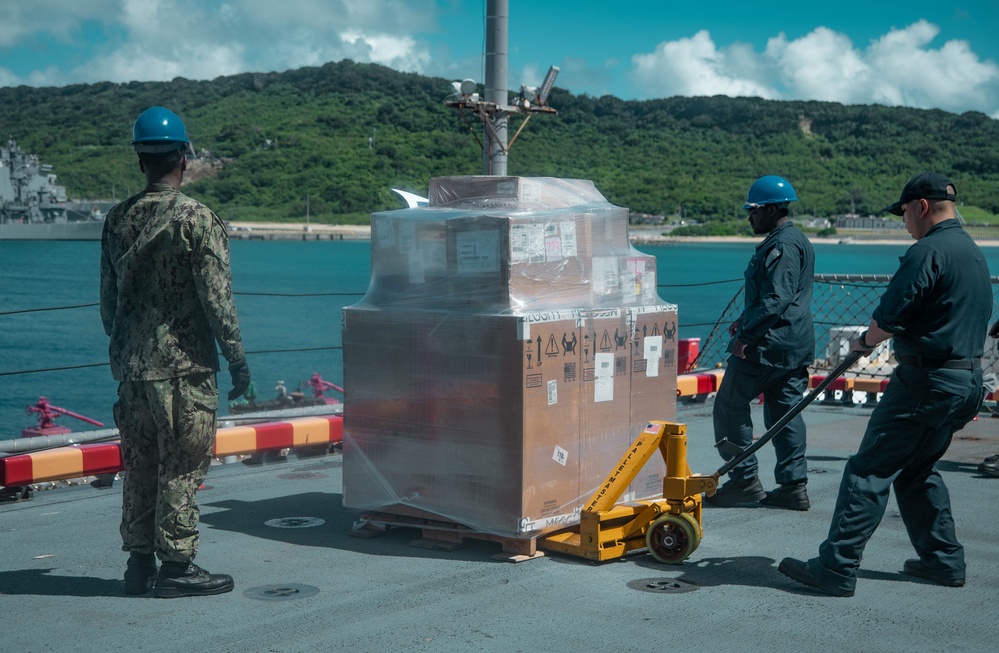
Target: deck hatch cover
[(295, 522), (662, 585), (281, 592)]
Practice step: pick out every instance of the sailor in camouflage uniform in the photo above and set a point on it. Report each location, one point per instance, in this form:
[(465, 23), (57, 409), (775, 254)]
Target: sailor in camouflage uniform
[(166, 300)]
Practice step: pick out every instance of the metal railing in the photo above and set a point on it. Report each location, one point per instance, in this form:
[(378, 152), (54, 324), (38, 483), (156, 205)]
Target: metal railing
[(842, 305)]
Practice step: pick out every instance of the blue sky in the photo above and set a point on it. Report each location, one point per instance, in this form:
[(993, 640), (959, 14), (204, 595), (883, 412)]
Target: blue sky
[(914, 53)]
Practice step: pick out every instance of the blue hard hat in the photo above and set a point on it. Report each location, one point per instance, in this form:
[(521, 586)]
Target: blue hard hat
[(770, 189), (158, 130)]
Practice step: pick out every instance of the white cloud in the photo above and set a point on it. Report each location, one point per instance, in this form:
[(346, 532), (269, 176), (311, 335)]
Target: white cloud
[(8, 78), (900, 68), (155, 40), (390, 16), (158, 40), (821, 65), (132, 62), (695, 66), (401, 53), (910, 73), (59, 19)]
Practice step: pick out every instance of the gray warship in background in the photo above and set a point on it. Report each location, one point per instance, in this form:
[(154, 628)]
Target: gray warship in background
[(34, 207)]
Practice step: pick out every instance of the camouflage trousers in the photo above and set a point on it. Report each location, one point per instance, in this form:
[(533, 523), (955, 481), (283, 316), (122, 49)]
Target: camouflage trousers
[(167, 433)]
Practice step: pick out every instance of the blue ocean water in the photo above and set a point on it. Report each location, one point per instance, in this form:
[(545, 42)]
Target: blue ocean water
[(288, 334)]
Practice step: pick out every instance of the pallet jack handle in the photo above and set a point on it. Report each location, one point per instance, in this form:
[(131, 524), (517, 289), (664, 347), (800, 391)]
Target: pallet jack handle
[(725, 445)]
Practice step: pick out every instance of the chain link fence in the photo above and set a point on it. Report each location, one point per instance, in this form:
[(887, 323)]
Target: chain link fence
[(842, 305)]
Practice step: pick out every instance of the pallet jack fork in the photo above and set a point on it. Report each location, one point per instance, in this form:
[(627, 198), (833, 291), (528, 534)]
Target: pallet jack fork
[(670, 527)]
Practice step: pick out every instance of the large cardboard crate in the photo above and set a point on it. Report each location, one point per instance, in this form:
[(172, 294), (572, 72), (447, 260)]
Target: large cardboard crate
[(518, 193), (479, 253), (505, 424), (488, 262)]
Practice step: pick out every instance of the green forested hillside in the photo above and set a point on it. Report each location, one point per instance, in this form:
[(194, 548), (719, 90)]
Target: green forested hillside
[(308, 133)]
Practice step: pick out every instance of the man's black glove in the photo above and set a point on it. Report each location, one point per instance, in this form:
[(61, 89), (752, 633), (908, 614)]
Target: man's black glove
[(240, 372)]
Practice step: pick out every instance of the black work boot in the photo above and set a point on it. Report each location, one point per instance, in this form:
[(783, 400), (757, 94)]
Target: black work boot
[(945, 577), (140, 573), (989, 466), (737, 492), (188, 579), (789, 497)]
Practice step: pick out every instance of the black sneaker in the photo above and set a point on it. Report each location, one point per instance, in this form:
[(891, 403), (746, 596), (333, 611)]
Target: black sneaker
[(736, 493), (188, 579), (140, 573), (945, 577), (990, 466), (789, 497)]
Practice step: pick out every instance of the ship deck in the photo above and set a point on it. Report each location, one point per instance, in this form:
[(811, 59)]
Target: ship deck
[(317, 588)]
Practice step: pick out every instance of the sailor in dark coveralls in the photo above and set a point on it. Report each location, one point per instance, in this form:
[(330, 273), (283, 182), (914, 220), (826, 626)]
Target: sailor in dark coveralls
[(773, 342), (936, 309)]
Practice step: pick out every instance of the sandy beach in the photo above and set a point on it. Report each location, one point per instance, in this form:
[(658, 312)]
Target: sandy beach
[(268, 230), (297, 231), (836, 240)]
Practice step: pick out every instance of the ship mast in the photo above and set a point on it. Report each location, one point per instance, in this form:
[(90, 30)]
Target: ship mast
[(492, 108), (494, 153)]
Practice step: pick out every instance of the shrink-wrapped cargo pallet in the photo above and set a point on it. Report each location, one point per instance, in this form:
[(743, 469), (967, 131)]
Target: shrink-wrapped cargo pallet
[(510, 347)]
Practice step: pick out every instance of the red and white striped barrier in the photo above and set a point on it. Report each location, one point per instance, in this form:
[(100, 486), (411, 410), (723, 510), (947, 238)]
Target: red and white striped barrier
[(64, 462), (703, 383), (105, 458)]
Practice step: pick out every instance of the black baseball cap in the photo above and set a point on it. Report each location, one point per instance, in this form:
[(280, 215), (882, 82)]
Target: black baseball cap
[(926, 185)]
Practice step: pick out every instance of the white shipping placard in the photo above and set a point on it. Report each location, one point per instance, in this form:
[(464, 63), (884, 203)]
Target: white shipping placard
[(527, 243), (653, 352), (568, 232), (606, 277), (478, 251), (603, 377)]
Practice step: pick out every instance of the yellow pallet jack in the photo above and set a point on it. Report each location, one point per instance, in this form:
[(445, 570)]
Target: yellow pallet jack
[(670, 527)]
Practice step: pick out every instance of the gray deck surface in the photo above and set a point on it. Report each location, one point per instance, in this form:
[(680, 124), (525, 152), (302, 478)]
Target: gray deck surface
[(61, 566)]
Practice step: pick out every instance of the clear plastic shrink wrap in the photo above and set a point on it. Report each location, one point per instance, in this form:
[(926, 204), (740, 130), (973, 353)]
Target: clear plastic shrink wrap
[(510, 347)]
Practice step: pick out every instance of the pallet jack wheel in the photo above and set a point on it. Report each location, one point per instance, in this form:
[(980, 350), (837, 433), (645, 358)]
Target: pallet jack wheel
[(697, 529), (672, 538)]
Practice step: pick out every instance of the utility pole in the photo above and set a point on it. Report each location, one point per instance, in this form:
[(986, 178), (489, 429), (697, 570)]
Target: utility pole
[(494, 154)]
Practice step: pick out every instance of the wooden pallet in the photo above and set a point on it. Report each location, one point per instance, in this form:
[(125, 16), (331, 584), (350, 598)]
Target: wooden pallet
[(440, 534)]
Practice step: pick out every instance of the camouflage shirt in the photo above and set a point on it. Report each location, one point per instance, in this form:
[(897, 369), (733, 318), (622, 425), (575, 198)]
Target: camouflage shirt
[(166, 293)]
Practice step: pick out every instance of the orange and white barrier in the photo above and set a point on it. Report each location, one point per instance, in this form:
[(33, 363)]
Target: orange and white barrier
[(704, 383), (870, 386), (105, 458), (234, 440)]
